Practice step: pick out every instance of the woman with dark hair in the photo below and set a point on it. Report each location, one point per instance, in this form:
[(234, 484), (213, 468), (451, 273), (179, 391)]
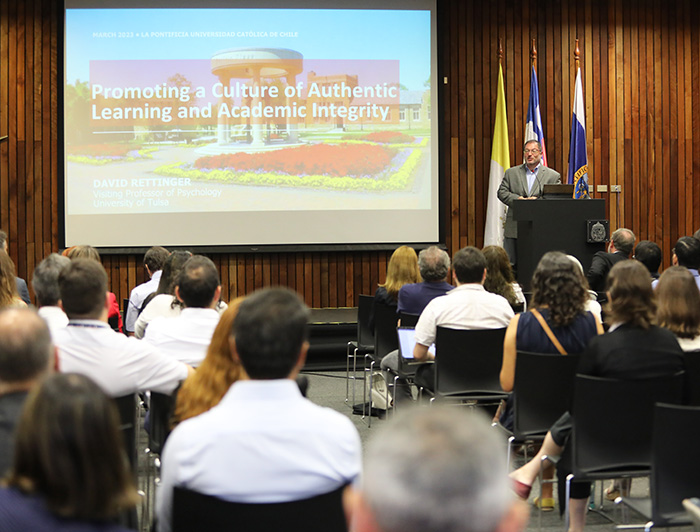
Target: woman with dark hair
[(164, 303), (402, 269), (558, 299), (70, 471), (633, 348), (89, 252), (218, 371), (557, 313), (678, 307), (499, 277)]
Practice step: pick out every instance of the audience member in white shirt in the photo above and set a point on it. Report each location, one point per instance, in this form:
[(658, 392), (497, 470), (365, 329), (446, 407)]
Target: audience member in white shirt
[(153, 262), (187, 336), (118, 364)]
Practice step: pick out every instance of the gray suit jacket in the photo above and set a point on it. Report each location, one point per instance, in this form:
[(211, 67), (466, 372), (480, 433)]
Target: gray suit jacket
[(514, 185)]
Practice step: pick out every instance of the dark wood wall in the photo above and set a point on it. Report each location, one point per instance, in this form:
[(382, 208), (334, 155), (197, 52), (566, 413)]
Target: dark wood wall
[(641, 73)]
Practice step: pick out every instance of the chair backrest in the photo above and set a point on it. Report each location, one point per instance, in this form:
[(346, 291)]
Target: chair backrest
[(113, 322), (692, 378), (364, 334), (675, 470), (161, 411), (126, 406), (408, 319), (468, 361), (612, 421), (194, 512), (385, 338), (543, 388)]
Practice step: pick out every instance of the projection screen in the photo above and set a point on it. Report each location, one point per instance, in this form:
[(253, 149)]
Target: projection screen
[(217, 123)]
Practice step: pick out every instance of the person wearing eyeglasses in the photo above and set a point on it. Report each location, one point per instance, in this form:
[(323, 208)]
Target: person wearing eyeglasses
[(524, 182)]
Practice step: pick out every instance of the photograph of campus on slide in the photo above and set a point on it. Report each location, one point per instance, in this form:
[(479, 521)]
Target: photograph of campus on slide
[(235, 121)]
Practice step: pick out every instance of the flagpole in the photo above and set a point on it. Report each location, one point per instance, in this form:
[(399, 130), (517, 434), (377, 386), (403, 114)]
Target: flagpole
[(500, 162), (533, 55), (577, 56)]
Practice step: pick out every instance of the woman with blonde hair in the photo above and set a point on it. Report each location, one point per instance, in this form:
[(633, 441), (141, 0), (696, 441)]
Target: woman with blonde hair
[(70, 471), (402, 269), (678, 306), (218, 371), (9, 296)]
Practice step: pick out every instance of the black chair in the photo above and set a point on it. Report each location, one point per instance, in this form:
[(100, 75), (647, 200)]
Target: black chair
[(126, 406), (159, 414), (385, 341), (408, 319), (125, 306), (468, 364), (128, 422), (195, 512), (675, 467), (612, 426), (691, 360), (161, 411), (543, 387), (113, 322), (360, 347)]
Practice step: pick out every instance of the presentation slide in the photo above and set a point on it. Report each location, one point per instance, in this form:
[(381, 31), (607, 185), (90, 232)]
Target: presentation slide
[(250, 126)]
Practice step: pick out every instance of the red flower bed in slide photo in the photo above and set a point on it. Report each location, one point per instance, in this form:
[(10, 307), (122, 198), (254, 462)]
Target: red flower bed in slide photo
[(389, 137), (315, 159)]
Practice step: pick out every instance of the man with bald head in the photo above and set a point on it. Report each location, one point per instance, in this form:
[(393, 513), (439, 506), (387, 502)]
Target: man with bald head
[(26, 356)]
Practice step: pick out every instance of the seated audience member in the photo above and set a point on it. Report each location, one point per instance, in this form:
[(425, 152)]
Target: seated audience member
[(499, 277), (187, 336), (634, 348), (439, 470), (26, 357), (8, 286), (164, 303), (434, 266), (591, 304), (402, 270), (678, 307), (89, 252), (558, 299), (686, 253), (218, 371), (263, 442), (119, 364), (22, 289), (69, 472), (153, 262), (649, 254), (468, 306), (45, 286), (619, 249)]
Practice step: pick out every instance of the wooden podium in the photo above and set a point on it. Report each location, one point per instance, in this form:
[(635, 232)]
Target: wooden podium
[(554, 225)]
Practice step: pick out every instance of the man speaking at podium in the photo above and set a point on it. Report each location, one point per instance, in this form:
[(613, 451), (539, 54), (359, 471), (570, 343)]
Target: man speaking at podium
[(524, 182)]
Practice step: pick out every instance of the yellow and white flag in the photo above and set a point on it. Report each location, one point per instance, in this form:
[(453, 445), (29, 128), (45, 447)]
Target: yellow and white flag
[(500, 162)]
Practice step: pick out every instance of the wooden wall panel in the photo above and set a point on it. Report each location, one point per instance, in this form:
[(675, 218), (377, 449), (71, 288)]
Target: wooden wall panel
[(640, 62)]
